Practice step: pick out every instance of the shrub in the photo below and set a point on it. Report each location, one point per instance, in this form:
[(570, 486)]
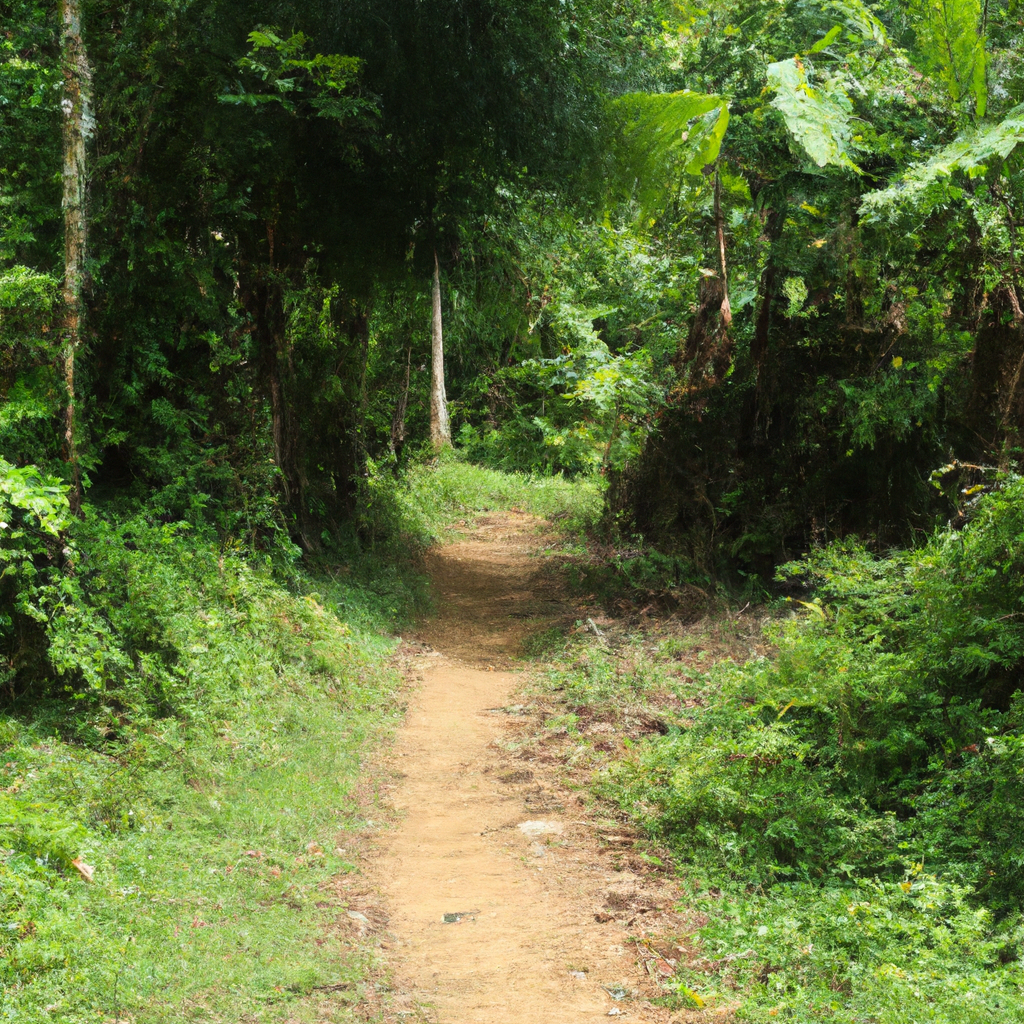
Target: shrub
[(887, 722)]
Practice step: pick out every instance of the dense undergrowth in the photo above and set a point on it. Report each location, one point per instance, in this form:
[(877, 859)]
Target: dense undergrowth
[(176, 787), (845, 811)]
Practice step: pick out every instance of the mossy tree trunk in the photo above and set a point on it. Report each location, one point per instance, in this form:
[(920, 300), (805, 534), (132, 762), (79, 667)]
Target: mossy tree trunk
[(77, 128)]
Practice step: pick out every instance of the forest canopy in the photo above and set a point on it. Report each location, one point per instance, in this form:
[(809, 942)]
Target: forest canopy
[(791, 224)]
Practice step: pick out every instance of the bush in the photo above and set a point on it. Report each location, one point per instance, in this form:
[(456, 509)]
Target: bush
[(187, 734), (885, 723), (891, 952)]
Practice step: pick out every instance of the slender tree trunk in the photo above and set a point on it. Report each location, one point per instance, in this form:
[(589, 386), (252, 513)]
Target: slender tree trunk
[(440, 429), (77, 128), (720, 230), (398, 420)]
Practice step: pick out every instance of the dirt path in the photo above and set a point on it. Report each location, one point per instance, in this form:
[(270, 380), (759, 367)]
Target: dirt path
[(494, 883)]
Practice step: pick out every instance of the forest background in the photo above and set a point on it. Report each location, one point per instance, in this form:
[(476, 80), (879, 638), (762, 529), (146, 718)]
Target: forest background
[(754, 267)]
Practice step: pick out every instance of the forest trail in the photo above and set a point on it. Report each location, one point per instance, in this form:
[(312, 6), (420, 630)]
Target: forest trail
[(480, 835)]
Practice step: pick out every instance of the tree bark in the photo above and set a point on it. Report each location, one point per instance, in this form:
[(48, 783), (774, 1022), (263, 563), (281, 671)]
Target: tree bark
[(720, 231), (398, 420), (440, 429), (77, 129)]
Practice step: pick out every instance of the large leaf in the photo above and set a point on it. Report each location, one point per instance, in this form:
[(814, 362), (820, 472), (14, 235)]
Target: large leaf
[(817, 118), (931, 183), (661, 132), (861, 22)]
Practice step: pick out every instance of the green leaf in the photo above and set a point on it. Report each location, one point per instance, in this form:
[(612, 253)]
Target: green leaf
[(687, 125), (817, 118), (950, 39), (861, 21), (928, 184), (827, 40), (659, 133)]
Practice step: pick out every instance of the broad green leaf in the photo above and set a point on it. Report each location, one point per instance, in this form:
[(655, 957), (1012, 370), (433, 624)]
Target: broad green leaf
[(660, 132), (817, 118), (686, 125), (827, 40), (861, 21)]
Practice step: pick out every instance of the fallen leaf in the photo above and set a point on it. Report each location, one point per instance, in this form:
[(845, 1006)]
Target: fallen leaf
[(85, 870)]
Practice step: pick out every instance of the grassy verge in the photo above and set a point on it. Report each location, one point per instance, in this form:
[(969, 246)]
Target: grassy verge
[(890, 943), (841, 796), (175, 831), (433, 497)]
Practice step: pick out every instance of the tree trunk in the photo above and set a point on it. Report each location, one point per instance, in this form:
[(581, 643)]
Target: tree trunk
[(440, 429), (726, 308), (77, 128), (398, 420)]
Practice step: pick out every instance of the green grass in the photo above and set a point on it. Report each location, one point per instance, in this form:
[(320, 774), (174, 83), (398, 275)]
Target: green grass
[(853, 928), (425, 505), (210, 900), (213, 790)]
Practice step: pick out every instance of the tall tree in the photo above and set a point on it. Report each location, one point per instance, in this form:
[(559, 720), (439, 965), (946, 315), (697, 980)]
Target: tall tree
[(77, 127), (440, 428)]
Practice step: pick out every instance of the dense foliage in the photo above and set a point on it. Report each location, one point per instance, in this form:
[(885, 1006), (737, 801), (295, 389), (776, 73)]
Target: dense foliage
[(752, 269)]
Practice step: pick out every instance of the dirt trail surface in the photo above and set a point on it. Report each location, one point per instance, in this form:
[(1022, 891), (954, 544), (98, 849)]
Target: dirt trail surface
[(502, 908)]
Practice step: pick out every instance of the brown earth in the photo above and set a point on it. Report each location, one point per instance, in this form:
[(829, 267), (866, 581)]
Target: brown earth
[(506, 902)]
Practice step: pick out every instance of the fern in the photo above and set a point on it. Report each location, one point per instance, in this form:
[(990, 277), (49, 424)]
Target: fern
[(930, 184), (950, 38)]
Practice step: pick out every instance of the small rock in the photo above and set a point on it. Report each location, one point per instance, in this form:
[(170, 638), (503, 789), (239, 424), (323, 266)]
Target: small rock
[(538, 850), (457, 916), (617, 992), (603, 918), (535, 829)]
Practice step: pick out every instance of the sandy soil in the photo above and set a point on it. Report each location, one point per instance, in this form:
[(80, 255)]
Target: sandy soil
[(503, 905)]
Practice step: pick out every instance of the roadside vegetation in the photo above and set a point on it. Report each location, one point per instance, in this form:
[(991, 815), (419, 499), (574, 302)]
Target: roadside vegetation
[(438, 493), (839, 787), (179, 774)]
